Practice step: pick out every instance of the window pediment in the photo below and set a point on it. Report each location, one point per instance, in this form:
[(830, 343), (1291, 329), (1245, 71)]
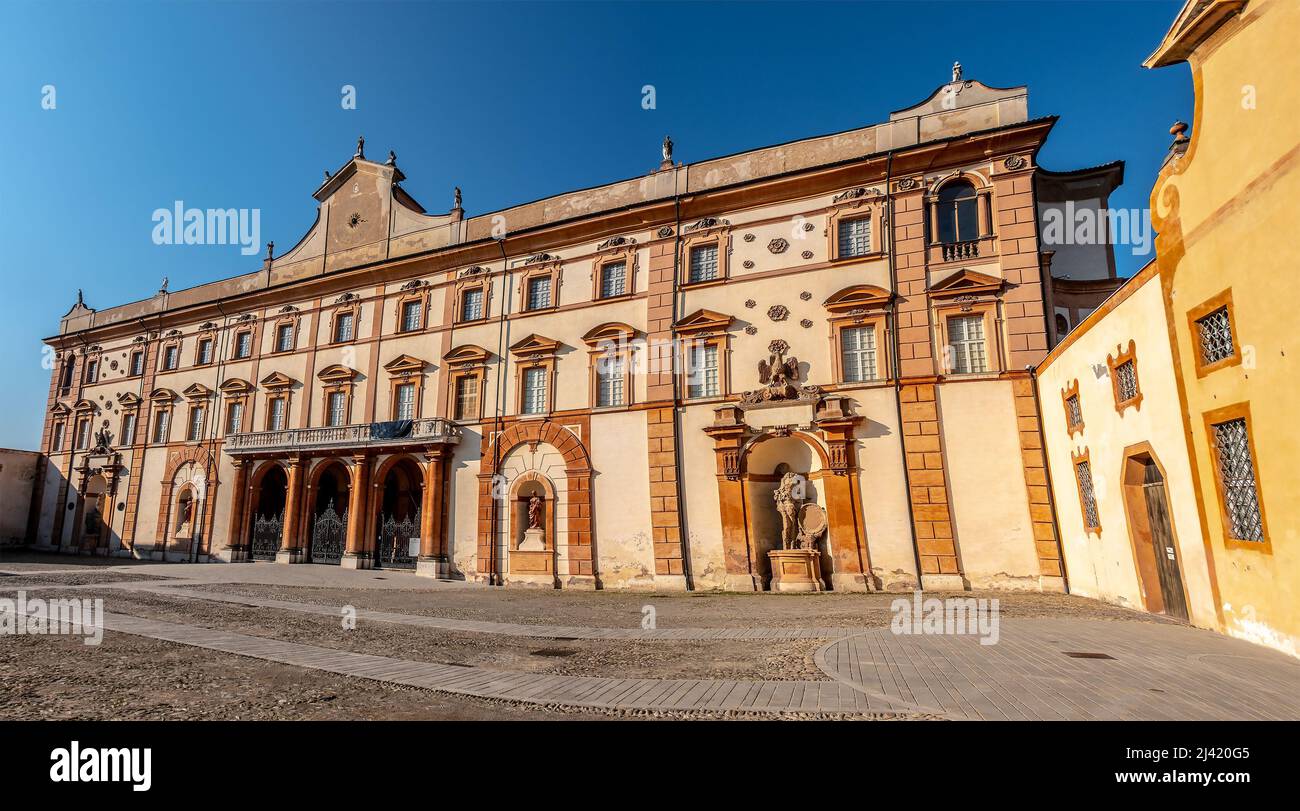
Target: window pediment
[(704, 321), (535, 344), (59, 409), (277, 380), (128, 399), (197, 390), (612, 331), (236, 385), (162, 395), (337, 373), (857, 296), (964, 282), (404, 365), (466, 354)]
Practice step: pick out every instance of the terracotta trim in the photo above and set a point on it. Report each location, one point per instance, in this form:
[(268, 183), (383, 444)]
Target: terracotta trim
[(1221, 301), (1210, 419)]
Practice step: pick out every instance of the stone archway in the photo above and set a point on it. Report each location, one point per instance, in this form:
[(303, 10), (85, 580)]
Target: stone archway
[(263, 521), (397, 505), (575, 520)]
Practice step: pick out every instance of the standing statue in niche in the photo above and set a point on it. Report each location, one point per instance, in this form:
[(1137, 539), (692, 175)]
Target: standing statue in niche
[(796, 566), (535, 512), (788, 495)]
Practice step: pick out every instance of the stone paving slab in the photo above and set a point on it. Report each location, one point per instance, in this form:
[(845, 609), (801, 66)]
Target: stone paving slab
[(1157, 671), (705, 695)]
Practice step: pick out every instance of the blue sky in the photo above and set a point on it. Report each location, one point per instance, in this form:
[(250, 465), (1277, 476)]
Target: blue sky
[(238, 105)]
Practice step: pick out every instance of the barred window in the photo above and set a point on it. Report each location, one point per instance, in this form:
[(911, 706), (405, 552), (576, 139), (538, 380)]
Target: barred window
[(1073, 412), (277, 414), (1216, 336), (196, 424), (466, 398), (858, 353), (243, 344), (610, 379), (337, 409), (703, 264), (539, 293), (966, 341), (702, 380), (1237, 480), (234, 418), (1126, 381), (535, 390), (343, 324), (1083, 470), (284, 338), (613, 279), (854, 237), (471, 304), (411, 312), (405, 402)]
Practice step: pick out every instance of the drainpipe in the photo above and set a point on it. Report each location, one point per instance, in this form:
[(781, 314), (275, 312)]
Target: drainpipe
[(495, 577), (896, 370), (219, 353), (677, 415), (1047, 474)]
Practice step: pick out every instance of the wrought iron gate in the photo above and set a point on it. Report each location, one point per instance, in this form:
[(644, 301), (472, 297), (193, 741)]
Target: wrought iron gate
[(266, 537), (399, 542), (327, 536)]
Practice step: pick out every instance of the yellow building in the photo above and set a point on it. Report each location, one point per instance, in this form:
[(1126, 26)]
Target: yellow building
[(1167, 411)]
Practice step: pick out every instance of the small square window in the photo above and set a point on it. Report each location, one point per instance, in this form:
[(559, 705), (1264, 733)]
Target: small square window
[(1215, 333), (1126, 381), (539, 293), (703, 263), (854, 237)]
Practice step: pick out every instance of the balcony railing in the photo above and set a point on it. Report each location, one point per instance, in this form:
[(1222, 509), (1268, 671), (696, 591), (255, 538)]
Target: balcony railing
[(954, 251), (427, 431)]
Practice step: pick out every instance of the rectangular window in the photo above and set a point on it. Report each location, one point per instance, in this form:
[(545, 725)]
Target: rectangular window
[(343, 327), (234, 418), (92, 371), (244, 345), (405, 402), (205, 351), (611, 377), (128, 429), (703, 264), (1126, 381), (613, 279), (1074, 414), (471, 304), (535, 390), (702, 371), (137, 363), (1237, 480), (161, 422), (336, 411), (854, 237), (276, 422), (56, 442), (539, 293), (858, 353), (966, 342), (171, 357), (466, 398), (284, 338), (196, 423), (411, 312), (83, 434), (1083, 471), (1215, 333)]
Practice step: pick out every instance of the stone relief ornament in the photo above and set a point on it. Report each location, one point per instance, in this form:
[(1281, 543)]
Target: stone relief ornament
[(706, 223), (615, 242), (749, 264), (1014, 162), (807, 254), (778, 245), (778, 312), (907, 183), (413, 284), (805, 296), (751, 330), (749, 237), (806, 323), (803, 522), (538, 258), (808, 226), (473, 270), (750, 303), (666, 231)]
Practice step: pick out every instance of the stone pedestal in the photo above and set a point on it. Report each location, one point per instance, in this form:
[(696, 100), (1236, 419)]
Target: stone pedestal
[(290, 556), (796, 570), (356, 560), (433, 566), (534, 541)]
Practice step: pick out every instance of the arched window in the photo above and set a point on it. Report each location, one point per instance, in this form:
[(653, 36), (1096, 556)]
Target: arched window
[(1062, 325), (958, 213)]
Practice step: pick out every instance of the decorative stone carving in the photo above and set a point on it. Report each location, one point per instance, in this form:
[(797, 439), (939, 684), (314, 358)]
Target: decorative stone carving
[(806, 323), (414, 284), (778, 245), (750, 303), (345, 298), (538, 258), (616, 242), (907, 183), (666, 231), (705, 224), (1014, 162), (778, 373), (749, 264), (473, 270), (807, 254), (778, 312), (749, 237), (805, 296), (808, 226), (751, 330), (667, 150)]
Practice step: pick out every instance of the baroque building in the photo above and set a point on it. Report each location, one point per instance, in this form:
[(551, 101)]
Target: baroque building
[(1168, 412), (606, 388)]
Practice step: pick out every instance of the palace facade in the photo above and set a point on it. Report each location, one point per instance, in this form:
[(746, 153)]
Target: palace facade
[(405, 389)]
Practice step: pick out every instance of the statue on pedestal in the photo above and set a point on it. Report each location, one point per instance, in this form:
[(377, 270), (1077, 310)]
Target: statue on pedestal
[(796, 566)]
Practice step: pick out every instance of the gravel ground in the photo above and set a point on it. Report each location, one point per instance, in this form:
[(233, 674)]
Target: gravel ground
[(776, 660), (71, 578), (609, 609)]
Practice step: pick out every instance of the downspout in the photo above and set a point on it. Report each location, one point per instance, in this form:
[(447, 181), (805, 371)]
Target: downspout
[(896, 372), (495, 577), (677, 409), (219, 353)]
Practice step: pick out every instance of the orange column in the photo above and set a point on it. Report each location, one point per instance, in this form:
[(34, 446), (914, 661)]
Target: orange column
[(290, 547), (234, 526), (433, 546), (355, 556)]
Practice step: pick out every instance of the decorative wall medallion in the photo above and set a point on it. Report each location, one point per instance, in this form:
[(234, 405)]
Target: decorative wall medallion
[(807, 254), (750, 303), (907, 183), (805, 295), (666, 231), (112, 364), (808, 226), (748, 263), (851, 194), (778, 347), (1014, 162), (706, 223), (288, 308), (413, 284), (778, 312), (355, 220), (806, 323), (751, 330), (965, 302), (614, 242), (749, 237), (778, 245), (537, 258), (346, 297), (473, 271)]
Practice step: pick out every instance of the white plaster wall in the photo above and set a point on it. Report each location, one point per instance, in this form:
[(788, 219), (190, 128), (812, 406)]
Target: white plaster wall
[(885, 515), (623, 536)]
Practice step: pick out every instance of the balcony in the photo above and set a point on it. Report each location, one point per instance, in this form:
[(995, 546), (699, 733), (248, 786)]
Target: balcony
[(964, 251), (428, 431)]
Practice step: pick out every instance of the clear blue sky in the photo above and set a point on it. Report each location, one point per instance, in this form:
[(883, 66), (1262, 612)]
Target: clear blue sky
[(238, 105)]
